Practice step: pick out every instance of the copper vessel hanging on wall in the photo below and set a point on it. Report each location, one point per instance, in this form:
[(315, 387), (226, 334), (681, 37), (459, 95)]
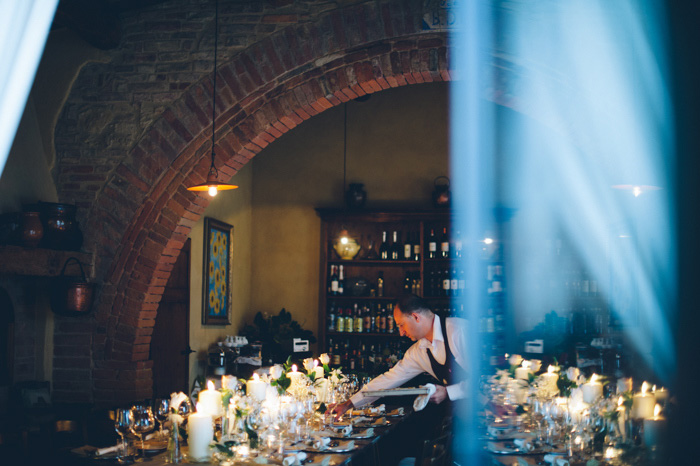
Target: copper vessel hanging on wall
[(72, 296)]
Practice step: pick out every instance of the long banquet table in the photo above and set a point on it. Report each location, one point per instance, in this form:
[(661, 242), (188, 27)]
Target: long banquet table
[(368, 452)]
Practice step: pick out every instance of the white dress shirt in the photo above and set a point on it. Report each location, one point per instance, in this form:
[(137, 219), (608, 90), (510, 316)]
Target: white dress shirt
[(416, 361)]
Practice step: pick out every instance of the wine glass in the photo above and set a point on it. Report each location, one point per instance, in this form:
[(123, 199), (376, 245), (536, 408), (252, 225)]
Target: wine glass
[(161, 408), (122, 424), (142, 423)]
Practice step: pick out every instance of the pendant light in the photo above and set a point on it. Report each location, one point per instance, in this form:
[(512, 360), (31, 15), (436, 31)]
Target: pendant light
[(212, 185)]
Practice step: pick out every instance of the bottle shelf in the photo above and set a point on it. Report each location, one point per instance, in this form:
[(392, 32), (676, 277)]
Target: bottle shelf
[(333, 333), (388, 263), (344, 298)]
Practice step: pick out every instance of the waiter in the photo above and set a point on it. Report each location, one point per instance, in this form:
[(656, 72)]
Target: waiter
[(440, 350)]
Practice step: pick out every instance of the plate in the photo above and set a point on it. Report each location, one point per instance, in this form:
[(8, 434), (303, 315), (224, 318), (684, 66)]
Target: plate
[(360, 434), (153, 446), (509, 448), (336, 446)]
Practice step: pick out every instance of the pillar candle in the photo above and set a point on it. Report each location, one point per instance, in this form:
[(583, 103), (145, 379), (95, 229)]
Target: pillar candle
[(550, 377), (661, 395), (294, 375), (592, 390), (523, 372), (643, 404), (654, 429), (200, 434), (210, 401), (256, 388)]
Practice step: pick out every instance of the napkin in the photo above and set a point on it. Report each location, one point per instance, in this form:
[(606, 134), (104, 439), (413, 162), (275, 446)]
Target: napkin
[(321, 443), (294, 458), (107, 450), (397, 412), (347, 430), (421, 401), (368, 432), (377, 410), (556, 460), (357, 420), (380, 421), (346, 445), (524, 444)]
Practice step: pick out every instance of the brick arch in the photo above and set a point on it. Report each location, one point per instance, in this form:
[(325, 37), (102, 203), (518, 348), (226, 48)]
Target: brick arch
[(143, 214)]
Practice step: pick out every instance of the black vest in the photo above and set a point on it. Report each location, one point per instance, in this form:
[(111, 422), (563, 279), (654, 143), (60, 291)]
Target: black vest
[(450, 372)]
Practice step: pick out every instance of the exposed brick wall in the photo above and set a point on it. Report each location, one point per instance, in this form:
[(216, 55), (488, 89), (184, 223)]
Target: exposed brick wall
[(136, 131)]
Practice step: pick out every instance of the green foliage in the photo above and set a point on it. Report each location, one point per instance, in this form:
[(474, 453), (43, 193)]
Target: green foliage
[(565, 385), (276, 334)]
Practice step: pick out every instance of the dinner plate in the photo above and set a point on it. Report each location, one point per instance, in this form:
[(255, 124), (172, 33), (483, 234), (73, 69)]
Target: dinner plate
[(509, 448), (336, 446), (359, 434)]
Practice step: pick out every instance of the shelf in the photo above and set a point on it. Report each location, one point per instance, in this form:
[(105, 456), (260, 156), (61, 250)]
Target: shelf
[(362, 334), (362, 298), (361, 262), (37, 262)]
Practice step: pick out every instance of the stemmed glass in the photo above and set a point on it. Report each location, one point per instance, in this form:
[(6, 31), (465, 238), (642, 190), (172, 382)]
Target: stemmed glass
[(161, 408), (122, 424), (142, 423)]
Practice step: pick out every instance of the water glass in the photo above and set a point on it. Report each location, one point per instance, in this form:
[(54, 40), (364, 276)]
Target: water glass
[(142, 422), (122, 424)]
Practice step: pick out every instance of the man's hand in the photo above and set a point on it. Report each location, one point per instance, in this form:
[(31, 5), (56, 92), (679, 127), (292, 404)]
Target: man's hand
[(439, 395), (338, 410)]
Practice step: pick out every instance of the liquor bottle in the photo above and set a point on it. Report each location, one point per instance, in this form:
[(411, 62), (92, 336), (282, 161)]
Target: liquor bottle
[(382, 320), (351, 363), (336, 355), (396, 249), (384, 248), (454, 283), (416, 248), (331, 318), (444, 244), (373, 320), (408, 248), (438, 283), (341, 282), (348, 320), (340, 321), (407, 283), (389, 322), (334, 280), (346, 354), (446, 283), (432, 245), (367, 320), (430, 290), (362, 357), (371, 358), (359, 321), (380, 284)]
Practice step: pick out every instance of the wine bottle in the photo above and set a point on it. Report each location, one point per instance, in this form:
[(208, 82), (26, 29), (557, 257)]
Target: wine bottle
[(432, 245), (334, 280), (349, 322), (380, 284), (396, 249), (407, 248), (458, 245), (382, 320), (384, 248), (341, 282), (331, 317), (367, 320), (454, 283), (444, 244), (416, 247), (446, 283)]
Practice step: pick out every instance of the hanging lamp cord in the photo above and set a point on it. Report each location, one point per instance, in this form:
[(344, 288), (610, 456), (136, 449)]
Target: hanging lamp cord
[(345, 143), (213, 91)]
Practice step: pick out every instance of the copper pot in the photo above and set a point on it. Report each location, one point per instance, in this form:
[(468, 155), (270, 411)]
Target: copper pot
[(72, 295)]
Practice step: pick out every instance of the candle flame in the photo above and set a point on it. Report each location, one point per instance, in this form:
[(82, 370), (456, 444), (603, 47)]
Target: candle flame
[(256, 376), (210, 385), (294, 367), (594, 377), (645, 387), (551, 369), (657, 410), (315, 362), (526, 364)]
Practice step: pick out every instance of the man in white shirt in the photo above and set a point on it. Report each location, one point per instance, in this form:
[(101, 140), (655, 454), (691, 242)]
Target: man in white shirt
[(440, 350)]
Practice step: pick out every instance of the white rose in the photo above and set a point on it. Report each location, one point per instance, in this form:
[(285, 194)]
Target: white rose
[(572, 373), (276, 371), (515, 360), (535, 365), (309, 364), (325, 359)]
